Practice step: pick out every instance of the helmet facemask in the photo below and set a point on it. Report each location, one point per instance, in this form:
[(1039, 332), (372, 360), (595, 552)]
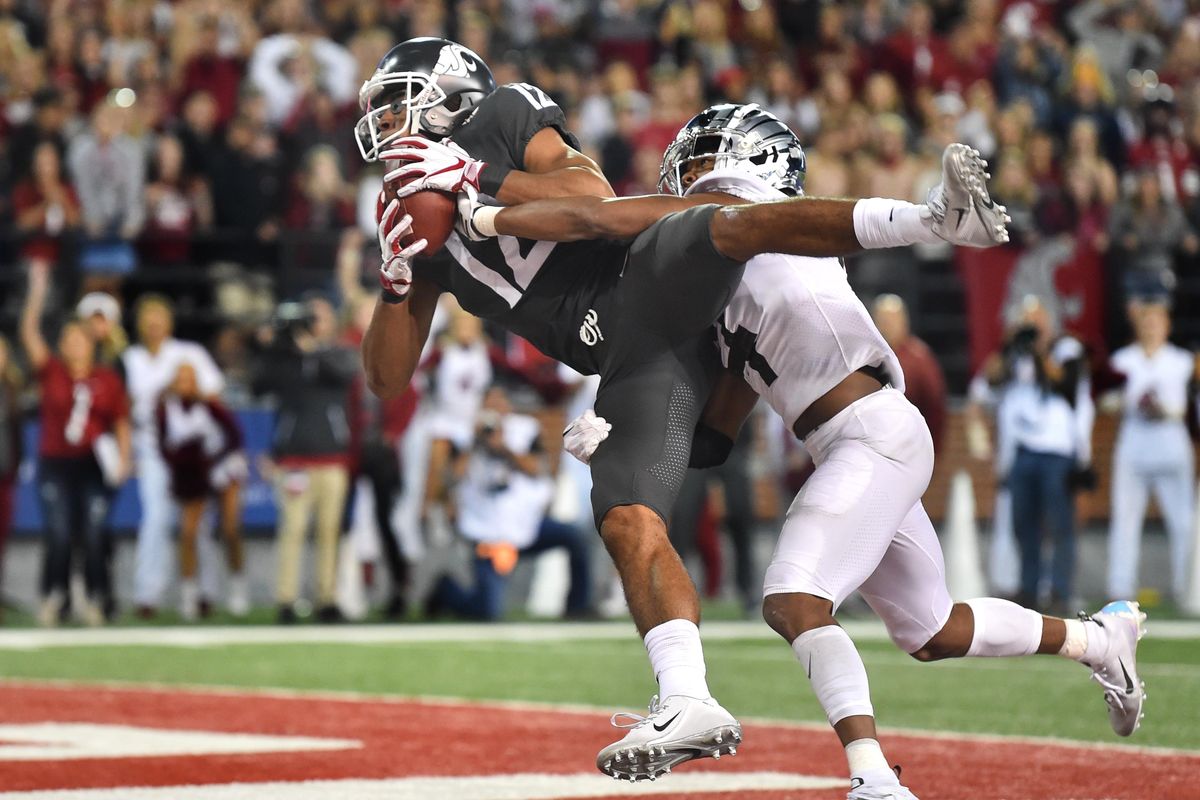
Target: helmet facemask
[(424, 107)]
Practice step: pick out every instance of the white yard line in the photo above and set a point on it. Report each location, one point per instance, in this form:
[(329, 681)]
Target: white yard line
[(526, 786), (179, 636)]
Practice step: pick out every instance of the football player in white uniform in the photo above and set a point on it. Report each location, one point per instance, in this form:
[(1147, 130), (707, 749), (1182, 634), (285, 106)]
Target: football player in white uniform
[(796, 334)]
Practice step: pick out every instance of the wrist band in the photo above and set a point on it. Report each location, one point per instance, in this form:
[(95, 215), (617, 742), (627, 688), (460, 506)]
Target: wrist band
[(391, 298), (484, 220)]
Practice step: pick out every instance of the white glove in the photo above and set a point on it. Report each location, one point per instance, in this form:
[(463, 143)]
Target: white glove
[(424, 164), (584, 434), (395, 274), (476, 220)]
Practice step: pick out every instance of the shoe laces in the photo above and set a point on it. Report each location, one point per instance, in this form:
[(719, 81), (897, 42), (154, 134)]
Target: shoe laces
[(627, 719)]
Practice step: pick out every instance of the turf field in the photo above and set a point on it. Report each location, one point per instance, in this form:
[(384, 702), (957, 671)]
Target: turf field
[(601, 666)]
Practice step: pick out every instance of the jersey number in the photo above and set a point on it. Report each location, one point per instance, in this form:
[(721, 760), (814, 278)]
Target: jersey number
[(81, 408), (536, 97), (743, 352)]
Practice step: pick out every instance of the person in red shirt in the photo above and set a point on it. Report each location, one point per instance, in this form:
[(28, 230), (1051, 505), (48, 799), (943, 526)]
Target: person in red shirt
[(924, 383), (45, 206), (83, 452), (201, 442)]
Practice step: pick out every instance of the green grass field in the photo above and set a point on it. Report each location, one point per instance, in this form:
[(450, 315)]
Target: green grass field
[(752, 677)]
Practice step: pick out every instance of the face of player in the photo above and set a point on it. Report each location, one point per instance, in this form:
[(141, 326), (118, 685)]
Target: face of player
[(392, 119), (75, 346), (696, 169), (154, 324), (185, 384)]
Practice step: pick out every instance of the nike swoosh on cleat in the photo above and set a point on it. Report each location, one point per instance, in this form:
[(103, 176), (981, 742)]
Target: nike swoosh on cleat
[(1128, 680), (667, 724), (810, 666), (890, 213), (962, 212), (854, 785)]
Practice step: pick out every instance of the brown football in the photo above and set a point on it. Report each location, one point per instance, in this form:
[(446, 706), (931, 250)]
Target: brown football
[(433, 215)]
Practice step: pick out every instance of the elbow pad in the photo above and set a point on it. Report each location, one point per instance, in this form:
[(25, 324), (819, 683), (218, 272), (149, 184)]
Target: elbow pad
[(710, 448)]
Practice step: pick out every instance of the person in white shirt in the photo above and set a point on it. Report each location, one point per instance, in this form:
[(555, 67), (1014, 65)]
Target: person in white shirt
[(1154, 451), (1047, 454), (150, 366)]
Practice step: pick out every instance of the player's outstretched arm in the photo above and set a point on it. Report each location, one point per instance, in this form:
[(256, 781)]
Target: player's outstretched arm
[(391, 347), (572, 219)]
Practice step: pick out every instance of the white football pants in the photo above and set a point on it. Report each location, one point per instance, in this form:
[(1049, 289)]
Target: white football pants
[(858, 523)]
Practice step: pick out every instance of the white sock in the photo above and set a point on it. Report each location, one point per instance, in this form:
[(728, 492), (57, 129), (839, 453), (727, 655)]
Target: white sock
[(836, 672), (1086, 641), (1003, 628), (677, 658), (880, 223), (866, 761)]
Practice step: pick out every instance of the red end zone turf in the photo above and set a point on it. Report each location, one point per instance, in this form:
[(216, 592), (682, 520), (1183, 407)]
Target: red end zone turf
[(403, 738)]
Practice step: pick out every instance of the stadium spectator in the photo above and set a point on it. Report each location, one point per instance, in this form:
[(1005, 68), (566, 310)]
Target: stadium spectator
[(308, 374), (45, 208), (47, 124), (286, 66), (1153, 450), (924, 383), (178, 206), (1047, 392), (10, 443), (1145, 231), (502, 494), (209, 53), (108, 172), (248, 187), (460, 371), (101, 314), (201, 443), (84, 449), (150, 366)]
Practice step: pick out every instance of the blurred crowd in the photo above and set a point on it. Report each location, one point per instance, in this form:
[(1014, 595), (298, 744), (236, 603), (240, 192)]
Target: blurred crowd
[(204, 148)]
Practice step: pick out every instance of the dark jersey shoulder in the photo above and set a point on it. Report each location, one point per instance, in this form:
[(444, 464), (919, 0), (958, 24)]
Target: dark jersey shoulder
[(506, 120)]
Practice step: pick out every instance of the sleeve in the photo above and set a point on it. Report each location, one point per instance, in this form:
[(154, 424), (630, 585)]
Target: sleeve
[(512, 116), (208, 374)]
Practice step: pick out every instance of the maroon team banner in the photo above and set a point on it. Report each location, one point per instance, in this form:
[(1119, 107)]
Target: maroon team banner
[(1067, 277)]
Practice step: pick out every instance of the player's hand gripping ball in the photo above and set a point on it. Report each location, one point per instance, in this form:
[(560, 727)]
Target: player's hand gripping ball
[(426, 177)]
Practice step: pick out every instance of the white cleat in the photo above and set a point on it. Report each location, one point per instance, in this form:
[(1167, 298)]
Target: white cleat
[(861, 790), (963, 211), (1116, 672), (678, 729)]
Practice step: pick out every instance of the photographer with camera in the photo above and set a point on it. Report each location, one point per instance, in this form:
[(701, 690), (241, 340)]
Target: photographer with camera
[(309, 374), (1047, 408), (502, 494)]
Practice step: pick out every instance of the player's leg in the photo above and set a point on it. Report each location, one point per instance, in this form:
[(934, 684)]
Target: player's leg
[(191, 513), (908, 592), (653, 406), (1129, 498), (874, 461)]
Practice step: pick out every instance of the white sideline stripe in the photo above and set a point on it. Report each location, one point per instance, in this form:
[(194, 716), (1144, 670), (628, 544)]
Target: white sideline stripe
[(523, 786), (58, 741), (582, 708), (862, 630)]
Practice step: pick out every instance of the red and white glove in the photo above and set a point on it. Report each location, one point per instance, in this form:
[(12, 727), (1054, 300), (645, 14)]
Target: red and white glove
[(424, 164), (584, 434), (395, 274)]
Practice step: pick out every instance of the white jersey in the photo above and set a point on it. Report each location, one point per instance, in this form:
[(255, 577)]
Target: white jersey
[(496, 501), (794, 328), (460, 379), (148, 374), (1161, 378)]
